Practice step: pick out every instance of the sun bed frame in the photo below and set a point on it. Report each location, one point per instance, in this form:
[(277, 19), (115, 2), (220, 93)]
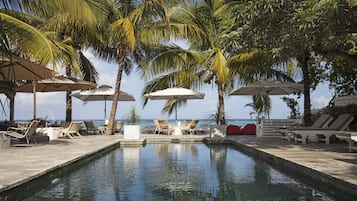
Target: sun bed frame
[(324, 134)]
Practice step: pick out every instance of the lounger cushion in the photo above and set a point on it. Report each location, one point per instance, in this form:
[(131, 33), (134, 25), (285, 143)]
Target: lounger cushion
[(233, 130), (249, 129)]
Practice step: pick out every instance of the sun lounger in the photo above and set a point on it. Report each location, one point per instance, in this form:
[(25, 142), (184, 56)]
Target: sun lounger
[(91, 128), (189, 126), (73, 130), (323, 134), (322, 122), (118, 126), (350, 137), (162, 127), (31, 129)]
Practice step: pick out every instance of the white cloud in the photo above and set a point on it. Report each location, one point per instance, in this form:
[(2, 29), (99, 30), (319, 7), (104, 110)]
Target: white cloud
[(320, 101)]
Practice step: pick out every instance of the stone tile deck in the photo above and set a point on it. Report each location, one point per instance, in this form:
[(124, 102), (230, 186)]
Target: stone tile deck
[(21, 164)]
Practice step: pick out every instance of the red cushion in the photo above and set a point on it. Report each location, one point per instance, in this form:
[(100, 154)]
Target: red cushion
[(233, 130), (248, 129)]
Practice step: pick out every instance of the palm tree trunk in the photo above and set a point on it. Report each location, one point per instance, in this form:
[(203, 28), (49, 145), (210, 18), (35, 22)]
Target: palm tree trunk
[(303, 60), (68, 98), (12, 107), (121, 53), (221, 115)]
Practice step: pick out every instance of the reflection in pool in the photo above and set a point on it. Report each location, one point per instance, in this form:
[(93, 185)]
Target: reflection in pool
[(176, 172)]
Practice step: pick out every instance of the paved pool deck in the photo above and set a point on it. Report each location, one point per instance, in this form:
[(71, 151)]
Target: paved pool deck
[(332, 162)]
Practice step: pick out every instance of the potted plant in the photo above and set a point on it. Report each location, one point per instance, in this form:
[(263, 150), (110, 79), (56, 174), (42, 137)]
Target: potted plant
[(132, 128)]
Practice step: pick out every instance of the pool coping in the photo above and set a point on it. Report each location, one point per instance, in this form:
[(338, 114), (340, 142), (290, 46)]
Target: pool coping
[(342, 188), (328, 182)]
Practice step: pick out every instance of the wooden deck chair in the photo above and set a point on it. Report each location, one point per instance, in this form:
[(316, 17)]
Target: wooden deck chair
[(162, 126), (186, 127), (91, 128), (73, 130), (31, 129), (118, 126), (194, 123)]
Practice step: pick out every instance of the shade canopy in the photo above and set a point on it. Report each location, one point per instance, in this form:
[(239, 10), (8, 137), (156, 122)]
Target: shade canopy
[(54, 84), (269, 87), (177, 93), (57, 83), (102, 93), (18, 68)]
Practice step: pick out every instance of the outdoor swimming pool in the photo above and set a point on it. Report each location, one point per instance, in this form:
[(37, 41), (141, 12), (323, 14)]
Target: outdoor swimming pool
[(175, 172)]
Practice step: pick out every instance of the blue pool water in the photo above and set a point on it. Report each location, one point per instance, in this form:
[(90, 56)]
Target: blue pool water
[(176, 172)]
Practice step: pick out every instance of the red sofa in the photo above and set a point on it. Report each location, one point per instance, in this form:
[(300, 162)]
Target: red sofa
[(248, 129), (233, 130)]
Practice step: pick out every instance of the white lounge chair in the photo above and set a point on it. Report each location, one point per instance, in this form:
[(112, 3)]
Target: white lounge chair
[(322, 122), (350, 137), (73, 130), (324, 134), (30, 130)]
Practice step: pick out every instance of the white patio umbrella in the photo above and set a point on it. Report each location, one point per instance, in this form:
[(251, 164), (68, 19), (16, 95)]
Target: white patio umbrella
[(175, 93), (102, 93), (269, 87), (54, 84)]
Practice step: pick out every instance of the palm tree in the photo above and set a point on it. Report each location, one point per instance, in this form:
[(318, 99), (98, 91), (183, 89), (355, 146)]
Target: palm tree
[(135, 27), (73, 28), (78, 32), (202, 24), (209, 59), (19, 37), (261, 105)]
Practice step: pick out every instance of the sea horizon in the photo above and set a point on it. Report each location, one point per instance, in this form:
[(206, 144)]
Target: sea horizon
[(149, 123)]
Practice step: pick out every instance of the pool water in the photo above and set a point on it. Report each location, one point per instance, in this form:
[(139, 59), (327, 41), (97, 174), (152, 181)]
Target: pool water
[(176, 172)]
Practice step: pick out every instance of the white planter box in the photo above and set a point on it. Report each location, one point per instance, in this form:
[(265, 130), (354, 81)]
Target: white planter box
[(131, 132)]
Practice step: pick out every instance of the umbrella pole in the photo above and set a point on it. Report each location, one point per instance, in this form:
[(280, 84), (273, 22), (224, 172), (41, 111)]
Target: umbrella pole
[(34, 98), (105, 109), (176, 112)]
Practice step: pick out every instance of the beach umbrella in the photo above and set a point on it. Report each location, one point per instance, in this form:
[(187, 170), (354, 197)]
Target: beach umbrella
[(102, 93), (269, 87), (54, 84), (18, 68), (177, 93)]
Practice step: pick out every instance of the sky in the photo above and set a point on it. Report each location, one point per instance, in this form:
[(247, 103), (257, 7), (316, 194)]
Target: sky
[(51, 105)]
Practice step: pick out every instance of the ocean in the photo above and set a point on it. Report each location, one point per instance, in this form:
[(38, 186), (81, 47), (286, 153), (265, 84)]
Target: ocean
[(149, 123)]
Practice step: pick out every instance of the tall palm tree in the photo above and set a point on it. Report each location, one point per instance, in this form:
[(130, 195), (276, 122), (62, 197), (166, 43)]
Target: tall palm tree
[(134, 28), (74, 23), (78, 32), (208, 59), (202, 24), (19, 37)]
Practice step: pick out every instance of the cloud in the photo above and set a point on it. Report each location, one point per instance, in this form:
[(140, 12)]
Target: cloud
[(320, 101)]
